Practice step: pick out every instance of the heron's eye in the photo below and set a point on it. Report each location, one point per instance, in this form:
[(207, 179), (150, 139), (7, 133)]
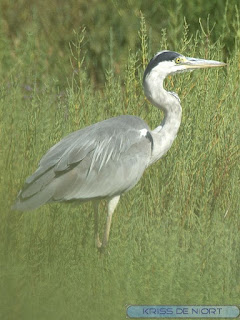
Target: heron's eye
[(178, 60)]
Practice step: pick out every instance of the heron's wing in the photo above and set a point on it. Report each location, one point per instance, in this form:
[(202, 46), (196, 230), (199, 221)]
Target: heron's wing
[(109, 137), (109, 169), (96, 161)]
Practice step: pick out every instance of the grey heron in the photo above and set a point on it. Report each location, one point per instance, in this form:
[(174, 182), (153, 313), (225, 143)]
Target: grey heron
[(108, 158)]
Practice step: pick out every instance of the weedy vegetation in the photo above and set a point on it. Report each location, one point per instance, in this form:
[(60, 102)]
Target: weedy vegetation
[(175, 236)]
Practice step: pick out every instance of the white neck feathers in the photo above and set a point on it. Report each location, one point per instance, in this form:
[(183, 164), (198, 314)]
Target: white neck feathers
[(169, 103)]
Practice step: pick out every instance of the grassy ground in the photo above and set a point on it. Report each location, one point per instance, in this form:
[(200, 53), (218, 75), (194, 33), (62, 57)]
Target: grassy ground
[(175, 237)]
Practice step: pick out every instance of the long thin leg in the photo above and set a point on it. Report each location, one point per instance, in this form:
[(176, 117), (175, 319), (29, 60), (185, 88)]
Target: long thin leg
[(97, 239), (111, 207)]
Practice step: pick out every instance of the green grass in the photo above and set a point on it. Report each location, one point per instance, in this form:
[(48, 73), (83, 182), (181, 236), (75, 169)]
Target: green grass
[(174, 238)]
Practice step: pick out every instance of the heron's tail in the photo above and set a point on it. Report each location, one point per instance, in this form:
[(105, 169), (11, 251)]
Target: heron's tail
[(36, 191), (34, 202)]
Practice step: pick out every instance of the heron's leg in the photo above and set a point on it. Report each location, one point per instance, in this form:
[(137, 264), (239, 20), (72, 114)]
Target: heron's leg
[(111, 207), (97, 239)]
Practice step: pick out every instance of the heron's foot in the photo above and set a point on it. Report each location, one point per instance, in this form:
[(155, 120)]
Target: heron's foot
[(101, 249), (101, 245), (98, 242)]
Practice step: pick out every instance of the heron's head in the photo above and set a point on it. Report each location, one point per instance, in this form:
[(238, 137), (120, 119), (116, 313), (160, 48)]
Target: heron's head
[(166, 62)]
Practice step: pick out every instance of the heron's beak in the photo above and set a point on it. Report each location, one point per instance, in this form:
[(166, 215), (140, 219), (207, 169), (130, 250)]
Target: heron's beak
[(193, 63)]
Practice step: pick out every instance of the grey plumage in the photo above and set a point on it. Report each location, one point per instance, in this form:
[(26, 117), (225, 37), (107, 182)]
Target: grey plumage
[(108, 158), (95, 162)]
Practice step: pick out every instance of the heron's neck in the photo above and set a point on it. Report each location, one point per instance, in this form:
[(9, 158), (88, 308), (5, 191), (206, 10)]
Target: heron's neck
[(169, 103)]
